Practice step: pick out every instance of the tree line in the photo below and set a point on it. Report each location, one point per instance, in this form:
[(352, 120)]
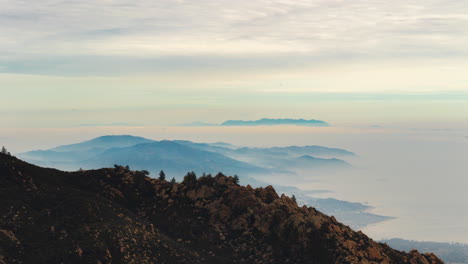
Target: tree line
[(190, 178), (5, 151)]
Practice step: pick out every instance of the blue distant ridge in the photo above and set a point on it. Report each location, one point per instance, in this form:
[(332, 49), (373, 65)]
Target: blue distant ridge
[(274, 122)]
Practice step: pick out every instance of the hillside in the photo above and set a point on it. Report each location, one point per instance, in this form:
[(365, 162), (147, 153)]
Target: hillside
[(115, 215), (451, 253)]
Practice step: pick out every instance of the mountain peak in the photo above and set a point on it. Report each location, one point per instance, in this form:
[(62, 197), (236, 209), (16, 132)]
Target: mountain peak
[(111, 137), (104, 142)]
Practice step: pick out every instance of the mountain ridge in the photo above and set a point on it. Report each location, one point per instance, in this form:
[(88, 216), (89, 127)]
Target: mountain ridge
[(265, 122), (74, 156), (117, 215), (274, 122), (176, 157)]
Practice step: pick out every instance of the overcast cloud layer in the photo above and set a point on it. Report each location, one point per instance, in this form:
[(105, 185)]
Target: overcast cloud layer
[(159, 62), (67, 37)]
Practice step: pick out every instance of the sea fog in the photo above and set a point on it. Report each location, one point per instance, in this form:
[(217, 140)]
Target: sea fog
[(418, 177), (415, 173)]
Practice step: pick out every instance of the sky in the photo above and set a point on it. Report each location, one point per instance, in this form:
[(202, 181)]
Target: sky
[(390, 77), (69, 64)]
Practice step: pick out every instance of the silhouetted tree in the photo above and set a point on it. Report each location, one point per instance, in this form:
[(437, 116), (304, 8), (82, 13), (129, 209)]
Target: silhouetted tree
[(5, 151), (293, 198), (127, 168), (236, 179), (162, 175), (173, 180), (190, 178), (145, 172)]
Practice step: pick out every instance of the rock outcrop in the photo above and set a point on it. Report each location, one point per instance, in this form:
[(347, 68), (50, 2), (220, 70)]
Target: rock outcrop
[(121, 216)]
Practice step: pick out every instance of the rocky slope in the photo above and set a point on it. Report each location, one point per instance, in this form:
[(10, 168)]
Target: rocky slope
[(121, 216)]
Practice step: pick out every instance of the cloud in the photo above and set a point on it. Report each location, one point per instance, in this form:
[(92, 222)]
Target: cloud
[(55, 34)]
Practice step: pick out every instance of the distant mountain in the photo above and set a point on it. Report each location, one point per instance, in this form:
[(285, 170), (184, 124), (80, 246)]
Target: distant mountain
[(139, 153), (115, 215), (264, 122), (313, 151), (294, 165), (275, 152), (451, 253), (178, 157), (283, 160), (222, 148), (104, 142), (307, 162), (273, 122), (223, 145), (290, 151), (70, 157), (293, 159), (173, 158)]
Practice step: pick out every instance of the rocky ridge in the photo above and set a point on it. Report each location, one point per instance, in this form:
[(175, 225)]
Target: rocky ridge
[(115, 215)]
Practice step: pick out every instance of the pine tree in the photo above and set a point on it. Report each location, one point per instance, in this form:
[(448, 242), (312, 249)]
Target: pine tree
[(173, 180), (162, 175), (190, 179), (236, 179), (4, 150), (293, 198)]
